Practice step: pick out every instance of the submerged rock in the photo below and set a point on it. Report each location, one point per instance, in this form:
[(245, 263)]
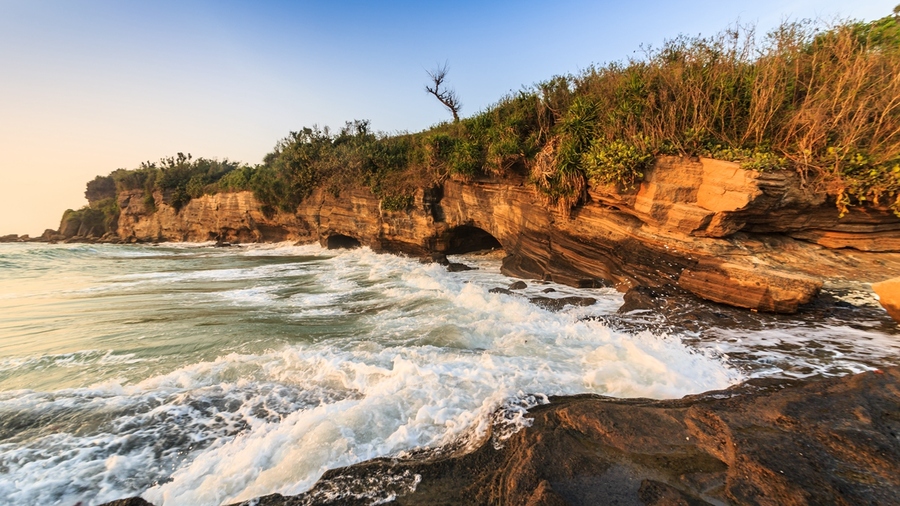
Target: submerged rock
[(458, 267), (518, 285), (558, 304), (131, 501), (648, 298)]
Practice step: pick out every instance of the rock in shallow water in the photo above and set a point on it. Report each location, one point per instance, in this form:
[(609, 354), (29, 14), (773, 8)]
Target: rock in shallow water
[(558, 304), (458, 267)]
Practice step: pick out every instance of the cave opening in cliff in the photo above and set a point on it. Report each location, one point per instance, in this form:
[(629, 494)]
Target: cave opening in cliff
[(466, 239), (339, 241)]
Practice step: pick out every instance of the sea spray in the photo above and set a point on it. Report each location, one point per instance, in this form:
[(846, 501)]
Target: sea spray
[(194, 375)]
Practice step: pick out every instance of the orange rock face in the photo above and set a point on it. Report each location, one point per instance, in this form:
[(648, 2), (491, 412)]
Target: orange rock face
[(734, 236), (233, 217), (889, 296), (748, 286)]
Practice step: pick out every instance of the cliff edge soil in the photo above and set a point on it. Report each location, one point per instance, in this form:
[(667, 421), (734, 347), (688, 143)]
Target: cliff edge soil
[(750, 239)]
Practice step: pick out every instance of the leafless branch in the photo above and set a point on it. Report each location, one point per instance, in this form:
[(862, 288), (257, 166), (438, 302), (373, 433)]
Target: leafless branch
[(448, 97)]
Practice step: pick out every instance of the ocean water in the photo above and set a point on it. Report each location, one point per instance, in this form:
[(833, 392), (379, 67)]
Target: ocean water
[(188, 374)]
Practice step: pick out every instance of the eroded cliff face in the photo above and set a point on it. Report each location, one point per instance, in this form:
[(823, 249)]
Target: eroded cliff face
[(740, 237), (233, 217)]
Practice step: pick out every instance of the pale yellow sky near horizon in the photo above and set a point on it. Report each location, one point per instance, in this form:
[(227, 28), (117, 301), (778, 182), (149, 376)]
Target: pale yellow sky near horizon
[(89, 87)]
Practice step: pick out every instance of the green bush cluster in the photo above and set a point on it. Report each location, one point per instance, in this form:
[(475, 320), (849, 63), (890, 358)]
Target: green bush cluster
[(94, 220), (615, 163), (178, 179)]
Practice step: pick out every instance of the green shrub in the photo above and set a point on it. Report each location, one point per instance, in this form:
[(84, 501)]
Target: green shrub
[(466, 159), (615, 163), (396, 202)]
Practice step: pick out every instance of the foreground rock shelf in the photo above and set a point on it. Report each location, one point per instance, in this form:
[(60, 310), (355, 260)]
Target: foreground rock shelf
[(832, 441)]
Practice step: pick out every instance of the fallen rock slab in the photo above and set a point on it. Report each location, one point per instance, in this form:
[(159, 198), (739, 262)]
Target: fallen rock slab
[(749, 286)]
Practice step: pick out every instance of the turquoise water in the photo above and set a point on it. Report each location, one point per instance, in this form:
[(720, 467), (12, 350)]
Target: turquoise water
[(196, 375)]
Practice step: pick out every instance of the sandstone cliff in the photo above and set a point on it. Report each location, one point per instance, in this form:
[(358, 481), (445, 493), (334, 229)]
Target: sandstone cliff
[(234, 217), (740, 237)]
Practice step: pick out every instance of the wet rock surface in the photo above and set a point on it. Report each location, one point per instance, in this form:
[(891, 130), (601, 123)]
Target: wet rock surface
[(557, 304), (518, 285), (832, 441), (458, 267)]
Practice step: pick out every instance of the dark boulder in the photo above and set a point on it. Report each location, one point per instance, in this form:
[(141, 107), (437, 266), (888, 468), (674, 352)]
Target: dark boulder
[(558, 304)]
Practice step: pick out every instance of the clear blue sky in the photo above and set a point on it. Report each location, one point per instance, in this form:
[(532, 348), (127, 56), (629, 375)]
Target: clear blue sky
[(90, 86)]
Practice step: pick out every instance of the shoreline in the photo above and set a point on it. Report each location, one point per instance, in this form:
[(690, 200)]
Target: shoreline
[(826, 440)]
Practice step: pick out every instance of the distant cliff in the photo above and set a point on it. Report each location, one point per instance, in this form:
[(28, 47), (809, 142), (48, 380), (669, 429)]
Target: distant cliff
[(741, 237)]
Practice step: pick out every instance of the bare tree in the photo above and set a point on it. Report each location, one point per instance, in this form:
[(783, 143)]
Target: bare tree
[(444, 96)]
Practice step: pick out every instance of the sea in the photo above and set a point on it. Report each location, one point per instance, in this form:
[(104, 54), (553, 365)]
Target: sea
[(193, 375)]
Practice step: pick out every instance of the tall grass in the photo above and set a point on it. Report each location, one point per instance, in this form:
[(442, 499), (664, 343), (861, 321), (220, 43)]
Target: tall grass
[(823, 100)]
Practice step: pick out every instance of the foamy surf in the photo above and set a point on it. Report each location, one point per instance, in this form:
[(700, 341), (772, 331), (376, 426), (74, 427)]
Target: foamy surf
[(197, 375)]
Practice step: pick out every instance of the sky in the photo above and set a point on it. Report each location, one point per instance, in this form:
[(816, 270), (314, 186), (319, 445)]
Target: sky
[(90, 86)]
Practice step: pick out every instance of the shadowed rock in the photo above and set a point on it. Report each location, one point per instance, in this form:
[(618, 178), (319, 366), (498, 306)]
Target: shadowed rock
[(558, 304), (518, 285)]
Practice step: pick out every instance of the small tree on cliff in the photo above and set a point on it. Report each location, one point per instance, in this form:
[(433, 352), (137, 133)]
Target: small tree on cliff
[(448, 97)]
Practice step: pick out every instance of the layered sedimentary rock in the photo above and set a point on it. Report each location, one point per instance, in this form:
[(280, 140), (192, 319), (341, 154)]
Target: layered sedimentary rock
[(756, 240)]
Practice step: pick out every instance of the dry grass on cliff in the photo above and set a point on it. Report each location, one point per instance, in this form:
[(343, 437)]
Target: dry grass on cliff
[(822, 100)]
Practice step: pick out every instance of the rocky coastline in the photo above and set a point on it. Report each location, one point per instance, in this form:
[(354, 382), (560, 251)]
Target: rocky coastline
[(828, 441), (693, 227), (762, 241)]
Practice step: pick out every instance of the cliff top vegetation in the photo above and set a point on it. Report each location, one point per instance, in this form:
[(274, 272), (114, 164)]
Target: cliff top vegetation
[(822, 100)]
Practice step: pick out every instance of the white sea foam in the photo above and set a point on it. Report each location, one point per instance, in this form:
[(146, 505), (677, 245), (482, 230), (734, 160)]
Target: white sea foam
[(802, 351), (482, 350), (404, 356)]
